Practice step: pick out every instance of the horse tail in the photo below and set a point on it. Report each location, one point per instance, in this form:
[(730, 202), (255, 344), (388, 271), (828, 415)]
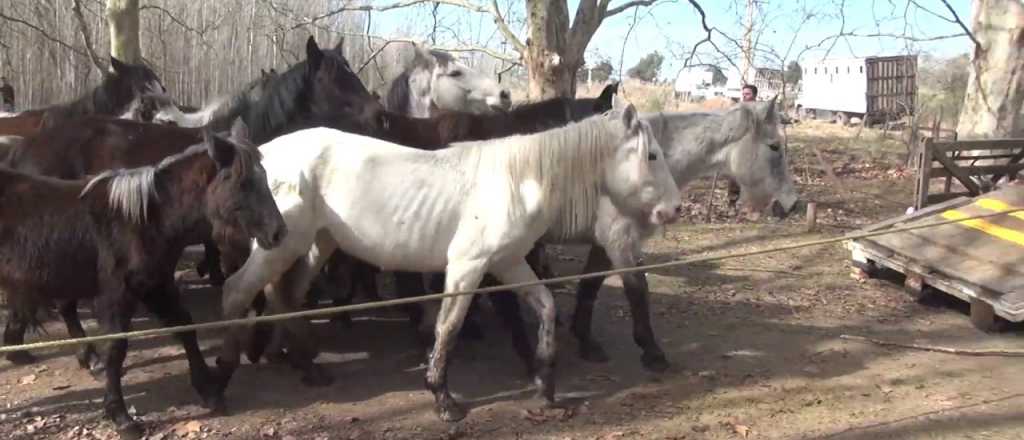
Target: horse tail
[(398, 95)]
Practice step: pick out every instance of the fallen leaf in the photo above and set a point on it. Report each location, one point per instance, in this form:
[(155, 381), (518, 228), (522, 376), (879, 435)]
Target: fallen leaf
[(26, 380), (61, 387), (884, 389), (613, 435), (268, 431), (183, 429), (700, 428), (742, 430)]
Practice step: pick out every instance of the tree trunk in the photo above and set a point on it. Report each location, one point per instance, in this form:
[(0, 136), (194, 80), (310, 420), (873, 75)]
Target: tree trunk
[(995, 87), (123, 18), (547, 56)]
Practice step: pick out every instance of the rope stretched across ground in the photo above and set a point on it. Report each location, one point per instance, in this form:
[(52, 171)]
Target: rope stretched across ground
[(138, 334)]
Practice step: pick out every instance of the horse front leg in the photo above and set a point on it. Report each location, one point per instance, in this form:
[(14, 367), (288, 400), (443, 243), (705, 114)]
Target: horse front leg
[(542, 302), (211, 264), (115, 314), (286, 295), (460, 276), (165, 303), (88, 359), (243, 286), (586, 297), (638, 294)]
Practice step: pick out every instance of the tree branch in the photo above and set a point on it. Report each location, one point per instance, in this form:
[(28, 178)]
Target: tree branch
[(467, 48), (43, 33), (200, 33), (83, 28), (977, 44), (627, 5)]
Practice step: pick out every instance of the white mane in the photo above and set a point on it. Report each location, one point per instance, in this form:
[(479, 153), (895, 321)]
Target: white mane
[(565, 164)]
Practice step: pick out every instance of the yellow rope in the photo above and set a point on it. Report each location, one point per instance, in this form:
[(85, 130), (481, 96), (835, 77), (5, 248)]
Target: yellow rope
[(138, 334)]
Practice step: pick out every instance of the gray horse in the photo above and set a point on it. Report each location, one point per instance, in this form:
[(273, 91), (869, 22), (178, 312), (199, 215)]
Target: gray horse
[(743, 143), (435, 81)]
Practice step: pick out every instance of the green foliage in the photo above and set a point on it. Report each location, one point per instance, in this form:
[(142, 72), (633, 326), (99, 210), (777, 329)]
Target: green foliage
[(599, 73), (942, 84), (647, 68)]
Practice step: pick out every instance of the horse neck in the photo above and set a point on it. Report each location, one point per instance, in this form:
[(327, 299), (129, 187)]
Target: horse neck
[(183, 202), (568, 165), (99, 101), (700, 152)]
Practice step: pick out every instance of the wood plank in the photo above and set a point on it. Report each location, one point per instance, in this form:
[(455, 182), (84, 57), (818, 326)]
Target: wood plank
[(979, 170), (980, 144), (944, 197), (924, 170), (957, 172), (983, 157), (949, 204)]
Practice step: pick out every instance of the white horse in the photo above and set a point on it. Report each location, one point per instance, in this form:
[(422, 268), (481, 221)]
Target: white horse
[(435, 81), (471, 209), (744, 143)]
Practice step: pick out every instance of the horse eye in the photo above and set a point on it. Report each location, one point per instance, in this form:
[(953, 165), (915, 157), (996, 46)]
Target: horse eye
[(652, 157), (774, 147), (455, 74)]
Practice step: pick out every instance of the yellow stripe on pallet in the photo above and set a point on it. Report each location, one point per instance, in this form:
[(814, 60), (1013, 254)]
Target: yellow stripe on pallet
[(998, 205), (994, 230)]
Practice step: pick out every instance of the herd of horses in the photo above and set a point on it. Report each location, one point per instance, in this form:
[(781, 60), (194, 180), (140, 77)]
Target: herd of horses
[(303, 183)]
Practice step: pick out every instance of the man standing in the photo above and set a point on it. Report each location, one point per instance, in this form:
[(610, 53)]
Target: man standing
[(747, 94), (6, 95)]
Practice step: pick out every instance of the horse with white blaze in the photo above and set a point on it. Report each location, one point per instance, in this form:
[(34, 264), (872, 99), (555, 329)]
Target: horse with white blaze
[(470, 209)]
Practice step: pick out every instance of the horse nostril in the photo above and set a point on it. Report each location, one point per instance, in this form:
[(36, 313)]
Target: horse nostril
[(505, 95)]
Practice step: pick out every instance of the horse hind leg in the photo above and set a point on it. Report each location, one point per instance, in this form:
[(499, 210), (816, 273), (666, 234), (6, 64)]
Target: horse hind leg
[(14, 334), (87, 357), (460, 276), (543, 303)]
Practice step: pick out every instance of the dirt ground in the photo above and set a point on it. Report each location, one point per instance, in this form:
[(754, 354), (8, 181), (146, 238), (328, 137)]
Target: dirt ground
[(754, 344)]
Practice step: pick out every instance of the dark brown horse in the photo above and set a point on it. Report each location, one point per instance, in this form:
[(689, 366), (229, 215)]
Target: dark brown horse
[(122, 87), (322, 84), (116, 238)]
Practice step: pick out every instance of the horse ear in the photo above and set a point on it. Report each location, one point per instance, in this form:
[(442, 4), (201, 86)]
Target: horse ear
[(629, 118), (608, 93), (116, 65), (313, 54), (222, 153), (769, 111)]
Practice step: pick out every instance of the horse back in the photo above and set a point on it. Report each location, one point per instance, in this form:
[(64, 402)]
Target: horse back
[(92, 144)]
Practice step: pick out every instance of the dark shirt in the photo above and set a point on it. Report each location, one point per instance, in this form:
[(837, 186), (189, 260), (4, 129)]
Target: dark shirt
[(7, 93)]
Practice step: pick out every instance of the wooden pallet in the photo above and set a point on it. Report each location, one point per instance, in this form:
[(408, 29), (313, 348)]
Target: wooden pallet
[(981, 263)]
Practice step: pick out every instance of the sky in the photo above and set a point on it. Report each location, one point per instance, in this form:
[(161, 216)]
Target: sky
[(672, 27)]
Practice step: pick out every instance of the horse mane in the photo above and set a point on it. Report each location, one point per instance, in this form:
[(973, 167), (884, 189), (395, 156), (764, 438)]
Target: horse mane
[(130, 190), (398, 94), (565, 165)]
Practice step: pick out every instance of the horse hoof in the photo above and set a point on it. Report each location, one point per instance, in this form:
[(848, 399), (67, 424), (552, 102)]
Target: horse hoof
[(216, 405), (655, 363), (593, 352), (21, 358), (317, 377), (130, 431), (451, 412)]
